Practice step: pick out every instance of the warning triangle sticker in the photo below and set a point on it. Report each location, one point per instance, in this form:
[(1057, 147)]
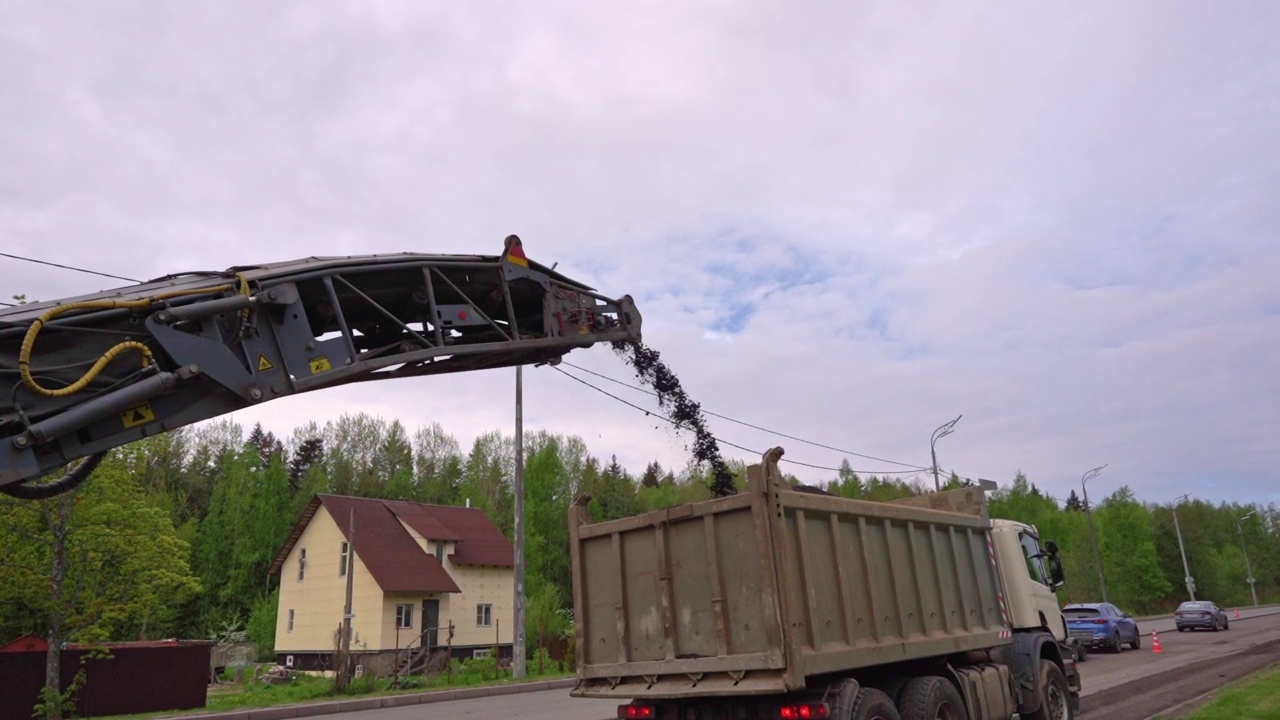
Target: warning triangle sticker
[(264, 363)]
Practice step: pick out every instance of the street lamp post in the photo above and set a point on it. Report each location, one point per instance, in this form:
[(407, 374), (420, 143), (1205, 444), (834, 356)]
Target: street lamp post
[(1093, 533), (1186, 569), (517, 631), (938, 434), (1253, 590)]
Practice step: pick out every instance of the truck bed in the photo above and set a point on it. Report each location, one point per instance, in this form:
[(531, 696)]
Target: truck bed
[(758, 592)]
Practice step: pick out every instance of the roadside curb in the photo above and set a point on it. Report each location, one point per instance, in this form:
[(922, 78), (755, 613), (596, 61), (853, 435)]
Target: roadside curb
[(282, 712)]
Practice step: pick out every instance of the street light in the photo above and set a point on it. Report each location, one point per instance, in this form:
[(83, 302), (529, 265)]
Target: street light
[(1253, 590), (938, 434), (1093, 533), (1191, 582)]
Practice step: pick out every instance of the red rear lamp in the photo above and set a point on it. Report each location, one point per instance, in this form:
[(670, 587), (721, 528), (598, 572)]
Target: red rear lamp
[(816, 711), (628, 712)]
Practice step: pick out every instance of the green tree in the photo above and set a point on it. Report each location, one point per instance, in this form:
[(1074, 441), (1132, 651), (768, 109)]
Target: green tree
[(546, 527), (97, 563), (1134, 578), (486, 479)]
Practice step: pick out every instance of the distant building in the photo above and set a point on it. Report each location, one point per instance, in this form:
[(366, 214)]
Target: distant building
[(30, 642), (417, 568)]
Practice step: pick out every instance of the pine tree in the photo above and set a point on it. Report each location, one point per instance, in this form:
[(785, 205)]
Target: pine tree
[(651, 476), (1073, 502), (308, 454)]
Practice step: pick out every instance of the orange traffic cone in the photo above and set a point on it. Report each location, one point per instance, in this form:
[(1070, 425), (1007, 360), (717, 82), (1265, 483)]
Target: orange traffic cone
[(1155, 643), (1237, 611)]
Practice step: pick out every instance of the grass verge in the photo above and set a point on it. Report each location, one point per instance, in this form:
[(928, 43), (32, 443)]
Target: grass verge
[(309, 689), (1256, 697)]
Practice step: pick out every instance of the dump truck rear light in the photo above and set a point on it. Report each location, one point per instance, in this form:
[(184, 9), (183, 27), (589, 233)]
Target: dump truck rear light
[(804, 712), (635, 711)]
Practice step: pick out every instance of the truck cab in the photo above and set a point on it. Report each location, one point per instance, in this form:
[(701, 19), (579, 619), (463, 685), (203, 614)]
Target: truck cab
[(1032, 574)]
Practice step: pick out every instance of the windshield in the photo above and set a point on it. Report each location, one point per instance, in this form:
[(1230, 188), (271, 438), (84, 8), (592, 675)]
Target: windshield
[(1073, 613)]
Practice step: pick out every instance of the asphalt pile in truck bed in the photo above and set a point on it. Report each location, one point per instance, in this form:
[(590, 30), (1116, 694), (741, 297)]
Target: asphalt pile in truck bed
[(688, 414)]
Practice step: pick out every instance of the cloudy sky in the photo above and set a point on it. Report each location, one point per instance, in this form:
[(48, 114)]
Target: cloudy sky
[(847, 221)]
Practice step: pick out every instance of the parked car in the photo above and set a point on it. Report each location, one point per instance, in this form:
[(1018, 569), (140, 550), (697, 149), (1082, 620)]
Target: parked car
[(1102, 625), (1200, 614)]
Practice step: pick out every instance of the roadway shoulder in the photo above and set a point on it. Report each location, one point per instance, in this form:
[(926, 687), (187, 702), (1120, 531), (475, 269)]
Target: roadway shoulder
[(282, 712)]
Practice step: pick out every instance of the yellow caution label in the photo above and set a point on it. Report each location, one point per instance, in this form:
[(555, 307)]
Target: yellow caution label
[(139, 415), (319, 365), (264, 363)]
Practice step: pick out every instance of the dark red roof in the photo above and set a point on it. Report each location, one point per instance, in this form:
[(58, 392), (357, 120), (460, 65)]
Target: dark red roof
[(30, 642), (396, 561)]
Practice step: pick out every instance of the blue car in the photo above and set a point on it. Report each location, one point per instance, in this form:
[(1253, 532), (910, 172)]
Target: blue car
[(1102, 625)]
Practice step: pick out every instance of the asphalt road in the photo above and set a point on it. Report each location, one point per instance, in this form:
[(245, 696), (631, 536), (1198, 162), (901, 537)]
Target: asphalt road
[(1187, 665), (1136, 684)]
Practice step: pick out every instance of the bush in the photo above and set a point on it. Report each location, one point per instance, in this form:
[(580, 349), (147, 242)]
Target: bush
[(261, 628)]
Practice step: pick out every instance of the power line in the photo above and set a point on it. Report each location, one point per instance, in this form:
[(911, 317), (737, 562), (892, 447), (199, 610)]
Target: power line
[(754, 427), (68, 267), (602, 391)]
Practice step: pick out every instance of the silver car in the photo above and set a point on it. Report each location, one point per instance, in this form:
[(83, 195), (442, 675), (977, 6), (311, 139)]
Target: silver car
[(1200, 614)]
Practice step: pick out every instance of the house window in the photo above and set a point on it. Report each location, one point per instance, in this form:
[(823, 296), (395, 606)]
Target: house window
[(290, 620), (404, 616), (484, 615), (342, 559), (480, 653), (440, 552), (302, 564)]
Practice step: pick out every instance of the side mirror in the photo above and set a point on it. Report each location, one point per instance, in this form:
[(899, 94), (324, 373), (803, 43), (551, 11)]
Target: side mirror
[(1127, 616), (1056, 573), (1051, 546)]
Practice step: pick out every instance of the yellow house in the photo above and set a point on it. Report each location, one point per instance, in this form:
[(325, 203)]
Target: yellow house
[(418, 569)]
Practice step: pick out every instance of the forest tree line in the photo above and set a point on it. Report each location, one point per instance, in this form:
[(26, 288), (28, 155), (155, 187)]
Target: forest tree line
[(173, 536)]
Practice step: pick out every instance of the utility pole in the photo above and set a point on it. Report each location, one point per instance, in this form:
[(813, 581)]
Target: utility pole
[(1253, 590), (1093, 533), (1186, 569), (517, 631), (347, 615), (938, 434)]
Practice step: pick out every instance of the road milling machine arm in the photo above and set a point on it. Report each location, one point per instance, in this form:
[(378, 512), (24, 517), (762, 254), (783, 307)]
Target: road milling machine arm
[(84, 375)]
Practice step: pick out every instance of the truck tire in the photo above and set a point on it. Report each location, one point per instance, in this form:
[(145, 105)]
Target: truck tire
[(869, 704), (931, 698), (1055, 702)]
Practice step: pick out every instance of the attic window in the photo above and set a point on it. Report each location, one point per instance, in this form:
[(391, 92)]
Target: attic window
[(342, 559), (440, 552), (302, 564)]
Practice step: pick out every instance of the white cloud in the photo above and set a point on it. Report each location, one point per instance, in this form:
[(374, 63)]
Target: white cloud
[(1058, 223)]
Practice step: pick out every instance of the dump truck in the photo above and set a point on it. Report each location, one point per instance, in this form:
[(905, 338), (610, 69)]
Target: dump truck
[(777, 603)]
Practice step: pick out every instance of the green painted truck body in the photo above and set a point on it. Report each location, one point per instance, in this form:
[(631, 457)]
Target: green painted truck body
[(763, 591)]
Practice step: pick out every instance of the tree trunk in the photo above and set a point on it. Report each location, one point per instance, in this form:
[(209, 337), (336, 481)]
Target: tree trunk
[(59, 522)]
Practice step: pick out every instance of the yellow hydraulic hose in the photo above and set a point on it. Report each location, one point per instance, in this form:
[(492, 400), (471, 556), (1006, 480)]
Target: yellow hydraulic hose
[(29, 341)]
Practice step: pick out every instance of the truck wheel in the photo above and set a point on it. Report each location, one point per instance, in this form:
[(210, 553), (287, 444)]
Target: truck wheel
[(870, 704), (1055, 695), (931, 698)]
